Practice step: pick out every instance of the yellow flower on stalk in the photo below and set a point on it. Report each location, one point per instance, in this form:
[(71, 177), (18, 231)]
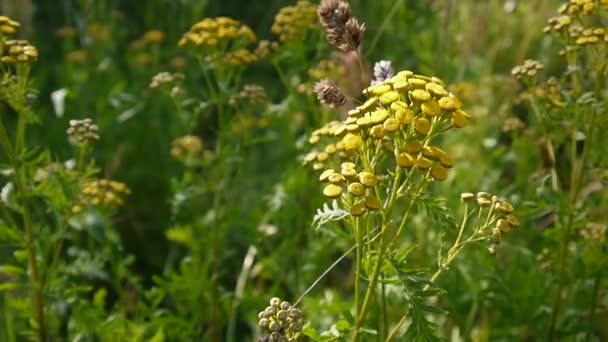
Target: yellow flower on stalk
[(188, 150), (393, 128), (8, 27), (19, 52), (101, 194), (292, 22)]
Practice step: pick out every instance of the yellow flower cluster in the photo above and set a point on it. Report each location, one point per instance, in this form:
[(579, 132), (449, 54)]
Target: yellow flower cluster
[(529, 69), (8, 27), (66, 32), (590, 36), (359, 185), (213, 32), (153, 38), (77, 57), (101, 194), (100, 32), (558, 24), (265, 48), (395, 124), (188, 150), (19, 51), (239, 57), (292, 22), (575, 7), (549, 91), (225, 37), (248, 122)]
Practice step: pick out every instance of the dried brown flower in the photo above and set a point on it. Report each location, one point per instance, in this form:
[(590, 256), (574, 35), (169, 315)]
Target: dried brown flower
[(342, 29), (329, 93)]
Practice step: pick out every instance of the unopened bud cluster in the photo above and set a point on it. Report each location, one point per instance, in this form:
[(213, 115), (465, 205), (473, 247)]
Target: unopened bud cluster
[(165, 78), (83, 131), (500, 217), (101, 194), (19, 51), (252, 94), (527, 70), (280, 322), (292, 22)]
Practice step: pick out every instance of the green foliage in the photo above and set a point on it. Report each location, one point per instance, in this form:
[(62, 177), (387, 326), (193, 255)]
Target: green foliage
[(182, 207)]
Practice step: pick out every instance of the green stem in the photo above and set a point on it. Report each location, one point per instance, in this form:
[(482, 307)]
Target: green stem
[(383, 248), (594, 299), (576, 179)]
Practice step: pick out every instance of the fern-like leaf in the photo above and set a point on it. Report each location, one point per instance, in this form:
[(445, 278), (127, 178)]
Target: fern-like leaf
[(329, 214), (414, 284)]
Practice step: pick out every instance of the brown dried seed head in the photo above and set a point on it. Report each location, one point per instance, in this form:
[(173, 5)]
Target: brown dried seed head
[(329, 93)]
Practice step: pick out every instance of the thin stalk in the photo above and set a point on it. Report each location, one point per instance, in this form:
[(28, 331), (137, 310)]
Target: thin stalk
[(319, 278), (22, 190), (358, 256), (576, 179), (594, 300), (386, 21), (240, 290), (376, 272)]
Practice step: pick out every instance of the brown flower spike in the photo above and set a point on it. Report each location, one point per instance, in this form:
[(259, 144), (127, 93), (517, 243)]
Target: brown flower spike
[(342, 29), (329, 93)]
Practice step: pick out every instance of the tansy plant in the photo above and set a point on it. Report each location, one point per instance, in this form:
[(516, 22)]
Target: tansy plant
[(49, 211), (377, 166), (568, 116)]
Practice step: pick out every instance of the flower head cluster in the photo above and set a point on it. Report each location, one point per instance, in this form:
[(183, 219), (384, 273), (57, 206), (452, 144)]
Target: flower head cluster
[(342, 29), (150, 38), (590, 36), (188, 150), (527, 70), (249, 122), (223, 39), (576, 7), (292, 22), (66, 32), (595, 232), (99, 32), (392, 130), (215, 32), (19, 51), (101, 194), (83, 131), (499, 216), (280, 322), (8, 27), (165, 79), (251, 94), (558, 24), (265, 48)]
